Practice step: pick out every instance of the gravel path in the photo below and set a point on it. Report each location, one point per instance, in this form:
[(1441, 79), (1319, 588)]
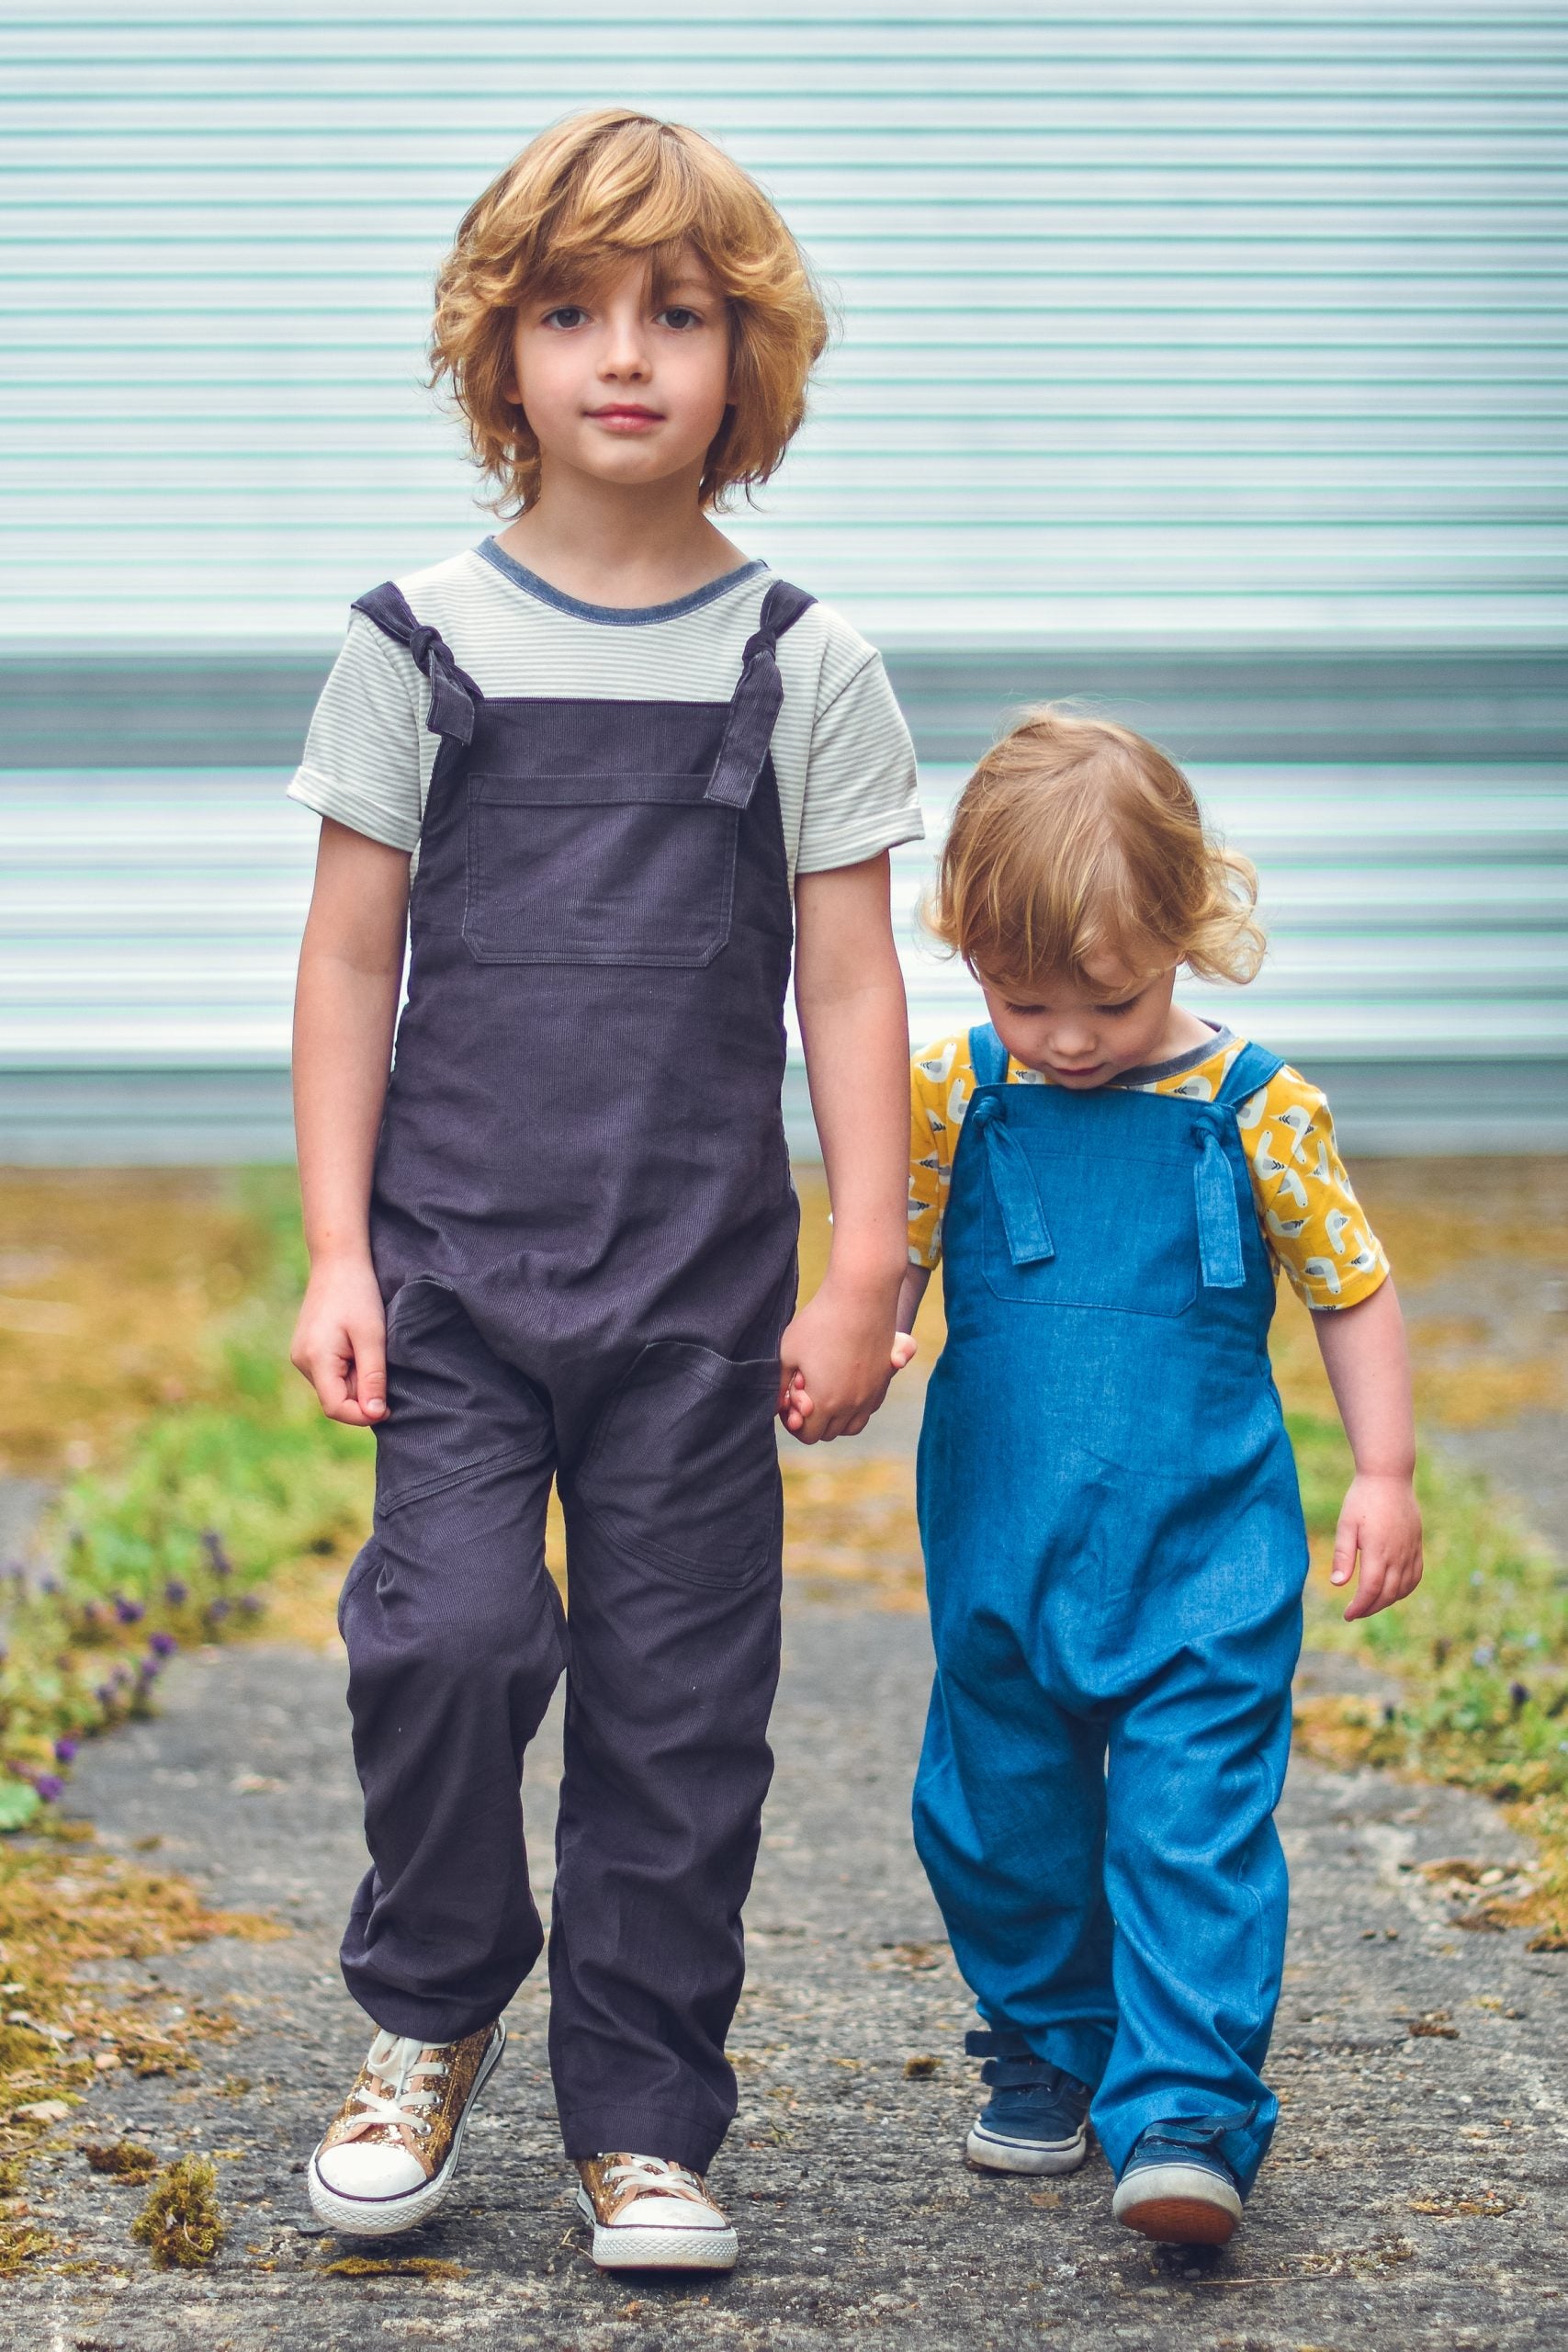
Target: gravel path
[(1411, 2199)]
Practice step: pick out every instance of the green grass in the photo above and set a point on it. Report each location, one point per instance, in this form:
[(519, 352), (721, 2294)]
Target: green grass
[(176, 1544), (1479, 1654)]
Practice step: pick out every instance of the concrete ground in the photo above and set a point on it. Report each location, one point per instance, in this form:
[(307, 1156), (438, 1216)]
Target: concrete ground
[(1411, 2199)]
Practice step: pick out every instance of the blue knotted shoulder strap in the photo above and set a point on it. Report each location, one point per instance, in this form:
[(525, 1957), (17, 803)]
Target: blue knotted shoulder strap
[(758, 699), (988, 1056), (1012, 1179), (453, 693), (1219, 1215), (1253, 1068)]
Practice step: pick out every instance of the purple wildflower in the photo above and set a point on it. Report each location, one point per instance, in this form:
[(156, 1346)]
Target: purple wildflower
[(217, 1610), (163, 1645), (217, 1559), (252, 1604), (175, 1593), (65, 1749), (129, 1612), (92, 1616), (49, 1785)]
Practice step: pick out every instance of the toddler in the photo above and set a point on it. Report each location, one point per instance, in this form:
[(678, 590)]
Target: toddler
[(1109, 1504)]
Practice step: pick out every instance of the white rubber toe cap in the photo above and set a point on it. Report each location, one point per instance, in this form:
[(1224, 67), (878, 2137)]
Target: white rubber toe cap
[(368, 2168)]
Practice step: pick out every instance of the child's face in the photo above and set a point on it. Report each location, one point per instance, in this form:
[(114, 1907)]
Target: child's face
[(1084, 1037), (623, 389)]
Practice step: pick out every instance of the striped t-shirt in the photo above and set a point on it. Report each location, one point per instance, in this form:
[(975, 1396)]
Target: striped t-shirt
[(841, 751)]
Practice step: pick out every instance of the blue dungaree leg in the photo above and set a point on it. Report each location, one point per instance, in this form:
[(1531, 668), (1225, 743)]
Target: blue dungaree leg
[(584, 1230), (1115, 1556)]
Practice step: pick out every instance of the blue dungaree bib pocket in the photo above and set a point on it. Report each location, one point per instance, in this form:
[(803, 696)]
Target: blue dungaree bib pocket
[(1115, 1554)]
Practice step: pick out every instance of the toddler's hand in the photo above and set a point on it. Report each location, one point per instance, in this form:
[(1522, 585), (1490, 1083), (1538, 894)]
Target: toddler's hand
[(340, 1342), (795, 1407), (1381, 1520)]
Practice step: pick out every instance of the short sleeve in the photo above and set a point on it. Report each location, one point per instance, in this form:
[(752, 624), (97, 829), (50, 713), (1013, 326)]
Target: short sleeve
[(942, 1080), (862, 794), (361, 766), (1312, 1220)]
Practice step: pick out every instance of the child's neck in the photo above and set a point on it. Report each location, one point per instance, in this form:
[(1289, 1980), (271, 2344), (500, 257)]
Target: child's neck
[(609, 544)]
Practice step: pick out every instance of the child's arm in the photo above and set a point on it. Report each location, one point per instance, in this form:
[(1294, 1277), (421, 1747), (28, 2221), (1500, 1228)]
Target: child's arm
[(1369, 1370), (345, 1008), (911, 1290), (837, 1356)]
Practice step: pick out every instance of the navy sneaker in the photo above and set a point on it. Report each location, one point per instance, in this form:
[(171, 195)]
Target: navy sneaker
[(1034, 2121), (1177, 2186)]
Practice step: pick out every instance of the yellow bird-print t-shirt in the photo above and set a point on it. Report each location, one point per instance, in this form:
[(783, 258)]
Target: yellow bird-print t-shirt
[(1310, 1218)]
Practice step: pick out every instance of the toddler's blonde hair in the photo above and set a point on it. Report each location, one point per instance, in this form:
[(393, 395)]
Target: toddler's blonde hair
[(576, 206), (1074, 840)]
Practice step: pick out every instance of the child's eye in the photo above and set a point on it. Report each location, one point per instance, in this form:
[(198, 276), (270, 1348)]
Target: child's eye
[(566, 314), (679, 316), (1110, 1011)]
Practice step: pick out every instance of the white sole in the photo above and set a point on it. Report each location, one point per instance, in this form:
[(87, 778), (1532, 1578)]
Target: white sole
[(1040, 2158), (1178, 2205), (386, 2217), (617, 2247)]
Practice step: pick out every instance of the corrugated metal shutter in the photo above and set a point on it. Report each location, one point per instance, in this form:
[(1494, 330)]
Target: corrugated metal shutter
[(1229, 332)]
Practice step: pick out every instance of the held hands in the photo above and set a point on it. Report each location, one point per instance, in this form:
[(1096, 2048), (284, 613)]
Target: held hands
[(340, 1342), (1381, 1520), (836, 1363)]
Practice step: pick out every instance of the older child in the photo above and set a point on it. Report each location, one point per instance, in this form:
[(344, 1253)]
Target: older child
[(1108, 1500), (634, 768)]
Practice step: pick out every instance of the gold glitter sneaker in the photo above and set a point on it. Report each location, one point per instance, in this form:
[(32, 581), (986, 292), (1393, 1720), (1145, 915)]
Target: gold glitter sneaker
[(391, 2152), (649, 2214)]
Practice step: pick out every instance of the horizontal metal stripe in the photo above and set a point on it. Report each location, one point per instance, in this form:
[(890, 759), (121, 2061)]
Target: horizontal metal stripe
[(1482, 711), (195, 1117)]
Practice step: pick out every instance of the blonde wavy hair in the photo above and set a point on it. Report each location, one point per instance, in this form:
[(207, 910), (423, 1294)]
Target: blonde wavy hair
[(579, 203), (1074, 840)]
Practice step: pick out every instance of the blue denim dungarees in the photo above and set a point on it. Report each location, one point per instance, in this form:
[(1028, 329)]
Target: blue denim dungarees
[(584, 1229), (1115, 1553)]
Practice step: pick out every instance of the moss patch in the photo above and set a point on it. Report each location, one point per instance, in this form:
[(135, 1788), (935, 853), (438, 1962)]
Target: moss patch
[(180, 2224)]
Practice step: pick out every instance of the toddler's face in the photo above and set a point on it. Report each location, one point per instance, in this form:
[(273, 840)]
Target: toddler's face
[(623, 388), (1084, 1037)]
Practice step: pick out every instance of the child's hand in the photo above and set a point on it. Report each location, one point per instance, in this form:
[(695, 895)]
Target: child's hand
[(340, 1342), (835, 1367), (1381, 1520)]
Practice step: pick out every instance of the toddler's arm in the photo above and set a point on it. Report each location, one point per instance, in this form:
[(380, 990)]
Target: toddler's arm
[(837, 1356), (1369, 1370), (345, 1009)]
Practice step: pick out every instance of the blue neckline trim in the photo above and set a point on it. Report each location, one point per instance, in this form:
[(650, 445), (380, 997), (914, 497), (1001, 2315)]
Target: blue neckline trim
[(615, 615)]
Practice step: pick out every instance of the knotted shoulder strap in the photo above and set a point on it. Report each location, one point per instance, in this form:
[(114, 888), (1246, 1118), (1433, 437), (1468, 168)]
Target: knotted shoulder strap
[(453, 693), (758, 700), (988, 1056), (1253, 1068)]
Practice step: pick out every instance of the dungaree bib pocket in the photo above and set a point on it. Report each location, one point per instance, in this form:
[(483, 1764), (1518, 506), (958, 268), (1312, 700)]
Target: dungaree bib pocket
[(631, 868), (1101, 1256)]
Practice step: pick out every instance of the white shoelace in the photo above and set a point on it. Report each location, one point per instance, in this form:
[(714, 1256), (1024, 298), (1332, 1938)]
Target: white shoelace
[(402, 2066), (656, 2174)]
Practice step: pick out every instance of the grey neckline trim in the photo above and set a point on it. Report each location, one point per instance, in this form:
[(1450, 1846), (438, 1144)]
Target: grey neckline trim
[(615, 615), (1195, 1054)]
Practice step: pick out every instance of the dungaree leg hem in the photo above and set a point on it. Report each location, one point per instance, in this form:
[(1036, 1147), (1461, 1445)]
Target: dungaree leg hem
[(681, 2139)]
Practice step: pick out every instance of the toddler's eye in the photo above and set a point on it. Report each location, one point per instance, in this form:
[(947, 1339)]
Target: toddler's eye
[(1110, 1011), (566, 314), (678, 316)]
